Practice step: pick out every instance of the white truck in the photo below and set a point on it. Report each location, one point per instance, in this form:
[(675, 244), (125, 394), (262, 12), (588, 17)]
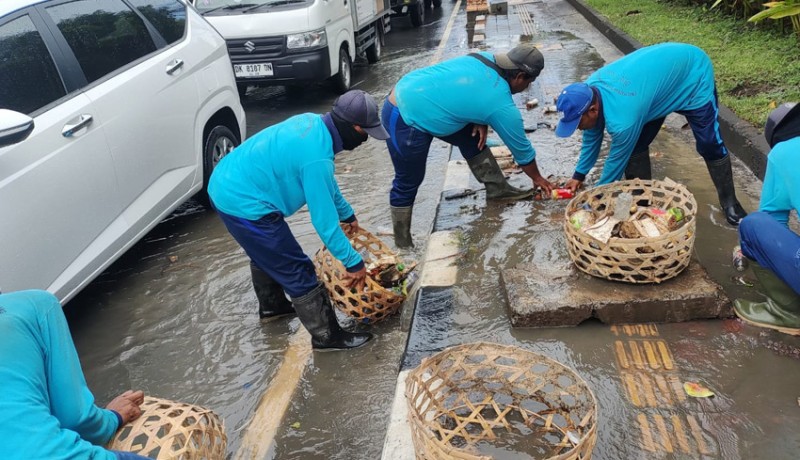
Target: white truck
[(296, 42)]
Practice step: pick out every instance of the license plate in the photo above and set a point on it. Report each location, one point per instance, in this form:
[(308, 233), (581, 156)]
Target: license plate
[(253, 70)]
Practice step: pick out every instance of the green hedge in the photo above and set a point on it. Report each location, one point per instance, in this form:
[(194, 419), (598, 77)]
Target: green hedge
[(755, 68)]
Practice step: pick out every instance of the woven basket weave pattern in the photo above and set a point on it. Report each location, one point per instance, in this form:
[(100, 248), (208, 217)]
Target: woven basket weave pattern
[(173, 430), (475, 392), (638, 260), (372, 306)]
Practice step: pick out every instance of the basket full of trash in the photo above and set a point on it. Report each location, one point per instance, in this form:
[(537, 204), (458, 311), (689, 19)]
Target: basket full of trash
[(387, 283), (172, 430), (635, 231), (483, 400)]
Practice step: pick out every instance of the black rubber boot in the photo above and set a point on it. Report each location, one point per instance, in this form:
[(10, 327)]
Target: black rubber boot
[(639, 166), (781, 311), (722, 176), (401, 225), (485, 168), (272, 301), (316, 313)]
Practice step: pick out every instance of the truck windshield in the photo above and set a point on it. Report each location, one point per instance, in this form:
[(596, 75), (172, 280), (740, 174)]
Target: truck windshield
[(240, 6)]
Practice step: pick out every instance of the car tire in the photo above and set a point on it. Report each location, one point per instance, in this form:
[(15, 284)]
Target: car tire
[(417, 13), (374, 50), (242, 88), (342, 79), (218, 143)]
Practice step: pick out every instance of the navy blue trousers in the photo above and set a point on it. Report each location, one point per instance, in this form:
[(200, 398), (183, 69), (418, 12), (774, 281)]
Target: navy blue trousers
[(704, 123), (408, 148), (773, 246), (271, 246)]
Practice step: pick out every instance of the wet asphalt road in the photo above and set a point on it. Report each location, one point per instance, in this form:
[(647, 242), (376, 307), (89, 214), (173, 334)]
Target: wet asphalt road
[(176, 316)]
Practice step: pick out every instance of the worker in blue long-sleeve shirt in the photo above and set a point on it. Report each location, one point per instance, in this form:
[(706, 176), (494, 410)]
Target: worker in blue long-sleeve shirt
[(765, 235), (46, 409), (630, 98), (454, 101), (271, 176)]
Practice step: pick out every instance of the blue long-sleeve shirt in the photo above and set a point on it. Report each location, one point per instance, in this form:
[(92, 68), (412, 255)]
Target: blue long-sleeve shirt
[(781, 191), (444, 98), (281, 169), (46, 409), (646, 85)]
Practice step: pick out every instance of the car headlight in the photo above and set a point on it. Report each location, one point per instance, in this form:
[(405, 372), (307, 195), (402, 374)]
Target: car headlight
[(313, 39)]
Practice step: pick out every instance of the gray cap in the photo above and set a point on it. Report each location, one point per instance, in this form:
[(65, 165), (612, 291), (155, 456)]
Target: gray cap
[(524, 57), (785, 116), (358, 108)]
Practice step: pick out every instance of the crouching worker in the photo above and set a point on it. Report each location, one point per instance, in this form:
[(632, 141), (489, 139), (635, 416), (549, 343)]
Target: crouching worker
[(765, 236), (46, 409), (271, 176), (455, 101)]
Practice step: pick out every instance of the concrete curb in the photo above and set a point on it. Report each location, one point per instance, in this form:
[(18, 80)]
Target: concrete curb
[(741, 138)]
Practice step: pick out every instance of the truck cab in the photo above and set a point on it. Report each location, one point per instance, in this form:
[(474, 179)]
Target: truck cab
[(296, 42)]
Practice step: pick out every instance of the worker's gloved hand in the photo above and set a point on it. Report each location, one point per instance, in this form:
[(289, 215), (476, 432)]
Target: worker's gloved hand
[(356, 280), (574, 185), (127, 405)]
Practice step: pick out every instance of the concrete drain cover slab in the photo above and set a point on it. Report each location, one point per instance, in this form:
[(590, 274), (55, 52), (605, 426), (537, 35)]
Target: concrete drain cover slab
[(562, 296)]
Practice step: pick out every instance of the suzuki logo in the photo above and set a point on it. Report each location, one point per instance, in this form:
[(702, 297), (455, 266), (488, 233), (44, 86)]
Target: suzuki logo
[(249, 46)]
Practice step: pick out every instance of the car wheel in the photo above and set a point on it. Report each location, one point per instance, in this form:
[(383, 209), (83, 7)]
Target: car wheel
[(341, 81), (417, 13), (242, 88), (219, 142), (374, 50)]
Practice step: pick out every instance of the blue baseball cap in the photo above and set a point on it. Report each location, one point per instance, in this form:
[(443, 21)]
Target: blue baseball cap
[(359, 108), (573, 102)]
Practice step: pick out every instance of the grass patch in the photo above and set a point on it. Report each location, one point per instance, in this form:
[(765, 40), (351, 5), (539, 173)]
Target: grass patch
[(755, 69)]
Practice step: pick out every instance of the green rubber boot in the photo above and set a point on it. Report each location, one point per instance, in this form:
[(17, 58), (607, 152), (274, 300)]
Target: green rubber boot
[(485, 168), (781, 311)]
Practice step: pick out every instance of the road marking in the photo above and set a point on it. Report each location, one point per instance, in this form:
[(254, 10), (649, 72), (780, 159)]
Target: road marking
[(647, 435), (666, 444), (697, 433), (259, 436), (446, 36), (680, 435)]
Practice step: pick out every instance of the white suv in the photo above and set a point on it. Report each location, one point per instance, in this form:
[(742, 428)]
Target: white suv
[(112, 114)]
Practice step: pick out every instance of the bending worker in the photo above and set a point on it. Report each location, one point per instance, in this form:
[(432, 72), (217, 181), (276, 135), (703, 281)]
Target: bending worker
[(271, 176), (46, 409), (630, 98), (455, 101), (765, 236)]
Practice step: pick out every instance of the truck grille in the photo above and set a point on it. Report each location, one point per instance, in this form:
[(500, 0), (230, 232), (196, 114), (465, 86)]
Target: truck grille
[(253, 49)]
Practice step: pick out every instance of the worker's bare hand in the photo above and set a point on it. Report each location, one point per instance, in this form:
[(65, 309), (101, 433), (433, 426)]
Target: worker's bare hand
[(544, 184), (481, 131), (356, 280), (574, 185), (350, 228), (127, 405)]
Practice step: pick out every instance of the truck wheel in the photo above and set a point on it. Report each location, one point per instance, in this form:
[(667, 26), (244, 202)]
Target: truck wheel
[(219, 142), (341, 81), (417, 13), (437, 3), (374, 50)]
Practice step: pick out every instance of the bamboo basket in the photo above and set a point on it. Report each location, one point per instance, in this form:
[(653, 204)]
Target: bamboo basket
[(483, 393), (637, 260), (173, 430), (371, 306)]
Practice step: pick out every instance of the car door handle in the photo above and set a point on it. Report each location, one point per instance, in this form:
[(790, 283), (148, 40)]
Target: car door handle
[(83, 121), (173, 66)]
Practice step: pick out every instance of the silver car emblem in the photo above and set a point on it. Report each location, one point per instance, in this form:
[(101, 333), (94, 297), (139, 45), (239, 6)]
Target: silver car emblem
[(249, 46)]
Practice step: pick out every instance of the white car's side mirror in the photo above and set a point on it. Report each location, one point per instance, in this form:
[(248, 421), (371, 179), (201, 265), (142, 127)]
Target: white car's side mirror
[(14, 127)]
